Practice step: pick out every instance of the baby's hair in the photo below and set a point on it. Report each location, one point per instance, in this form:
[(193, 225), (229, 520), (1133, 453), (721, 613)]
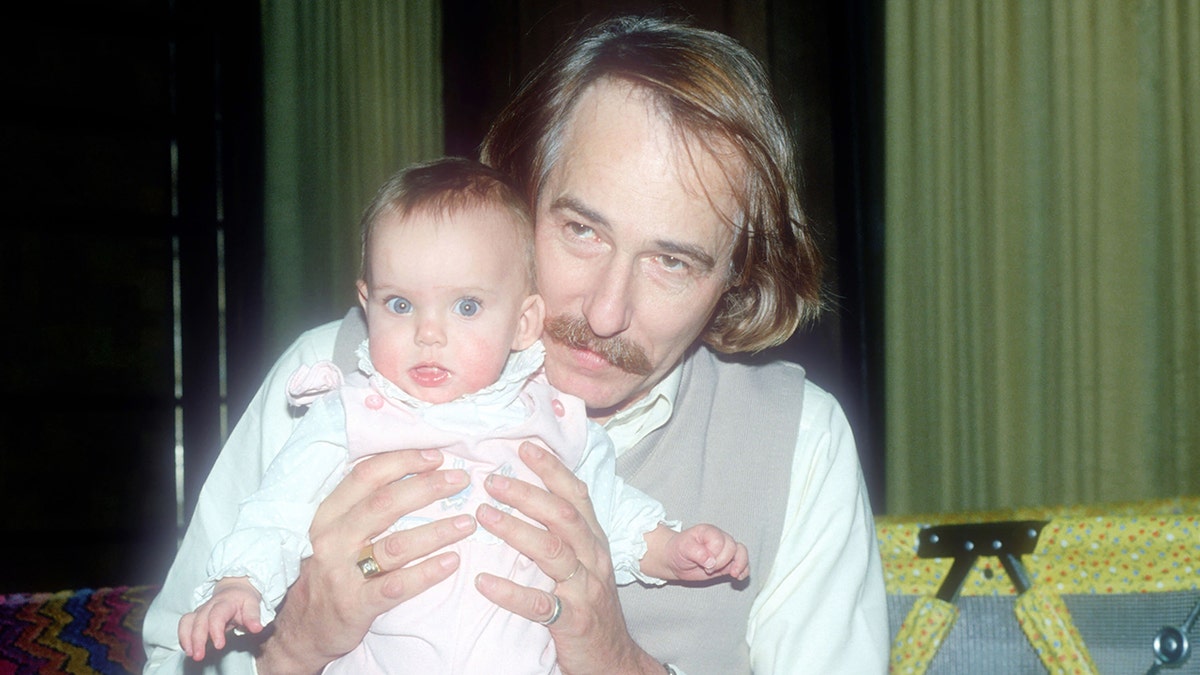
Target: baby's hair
[(446, 187)]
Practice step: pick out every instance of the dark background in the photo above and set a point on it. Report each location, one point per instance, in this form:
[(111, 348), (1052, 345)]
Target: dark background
[(131, 242)]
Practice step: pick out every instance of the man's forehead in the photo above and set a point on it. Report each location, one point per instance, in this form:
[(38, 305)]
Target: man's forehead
[(708, 166)]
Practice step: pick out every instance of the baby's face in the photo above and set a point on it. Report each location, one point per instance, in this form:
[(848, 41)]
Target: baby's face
[(447, 301)]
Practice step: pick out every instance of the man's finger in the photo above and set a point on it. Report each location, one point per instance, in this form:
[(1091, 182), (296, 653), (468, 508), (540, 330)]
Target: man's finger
[(571, 531), (530, 603), (386, 591), (382, 507), (375, 472), (401, 548), (561, 482)]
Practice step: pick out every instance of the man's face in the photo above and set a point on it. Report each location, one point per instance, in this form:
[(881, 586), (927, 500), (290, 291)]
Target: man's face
[(633, 247)]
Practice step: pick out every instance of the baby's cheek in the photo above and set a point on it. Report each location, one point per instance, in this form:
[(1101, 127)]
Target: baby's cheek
[(388, 360), (481, 362)]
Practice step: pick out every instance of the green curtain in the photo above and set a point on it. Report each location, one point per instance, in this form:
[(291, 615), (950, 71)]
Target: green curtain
[(1042, 297), (353, 93)]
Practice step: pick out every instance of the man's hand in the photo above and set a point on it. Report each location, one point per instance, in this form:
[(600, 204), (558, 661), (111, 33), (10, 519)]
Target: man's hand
[(330, 607), (590, 634)]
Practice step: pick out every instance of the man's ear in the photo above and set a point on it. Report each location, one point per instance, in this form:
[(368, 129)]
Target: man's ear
[(362, 293), (529, 324)]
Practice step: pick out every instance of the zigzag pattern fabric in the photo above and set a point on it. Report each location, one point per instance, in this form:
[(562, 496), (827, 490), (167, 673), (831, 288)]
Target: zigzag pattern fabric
[(79, 631)]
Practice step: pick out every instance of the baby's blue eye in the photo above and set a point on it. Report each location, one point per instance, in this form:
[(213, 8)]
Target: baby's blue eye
[(398, 305), (467, 307)]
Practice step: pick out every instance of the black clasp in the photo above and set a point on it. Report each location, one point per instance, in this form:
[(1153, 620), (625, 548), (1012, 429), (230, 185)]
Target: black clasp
[(1007, 540)]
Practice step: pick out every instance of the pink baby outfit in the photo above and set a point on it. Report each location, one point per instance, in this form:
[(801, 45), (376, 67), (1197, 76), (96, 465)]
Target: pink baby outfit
[(450, 628)]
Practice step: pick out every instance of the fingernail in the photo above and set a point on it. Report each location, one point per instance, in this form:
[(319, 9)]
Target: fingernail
[(431, 454), (456, 477), (487, 514), (533, 450), (498, 482), (448, 562), (463, 522)]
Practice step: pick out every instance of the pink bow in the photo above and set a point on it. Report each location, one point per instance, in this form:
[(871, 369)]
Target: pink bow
[(309, 383)]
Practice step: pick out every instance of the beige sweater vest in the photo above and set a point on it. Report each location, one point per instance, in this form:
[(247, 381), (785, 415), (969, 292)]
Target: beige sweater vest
[(725, 458)]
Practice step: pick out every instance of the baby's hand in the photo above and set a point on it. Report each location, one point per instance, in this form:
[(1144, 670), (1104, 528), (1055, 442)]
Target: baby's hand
[(702, 552), (234, 604)]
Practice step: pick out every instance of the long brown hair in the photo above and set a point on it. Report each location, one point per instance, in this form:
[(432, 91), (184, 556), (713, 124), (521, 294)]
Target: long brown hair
[(714, 91)]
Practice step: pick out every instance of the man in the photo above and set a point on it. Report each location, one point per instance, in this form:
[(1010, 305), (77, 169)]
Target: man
[(668, 230)]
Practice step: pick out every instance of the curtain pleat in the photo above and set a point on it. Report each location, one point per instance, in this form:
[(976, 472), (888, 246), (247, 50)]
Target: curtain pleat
[(1042, 299), (353, 92)]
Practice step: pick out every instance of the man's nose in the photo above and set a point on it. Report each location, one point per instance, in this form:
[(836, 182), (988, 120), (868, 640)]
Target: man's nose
[(430, 331), (609, 307)]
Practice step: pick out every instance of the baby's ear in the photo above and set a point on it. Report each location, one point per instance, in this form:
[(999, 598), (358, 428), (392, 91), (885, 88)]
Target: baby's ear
[(362, 293), (529, 325)]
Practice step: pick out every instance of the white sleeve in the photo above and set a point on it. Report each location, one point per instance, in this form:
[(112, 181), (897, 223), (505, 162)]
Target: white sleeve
[(822, 608), (237, 472), (625, 512), (270, 537)]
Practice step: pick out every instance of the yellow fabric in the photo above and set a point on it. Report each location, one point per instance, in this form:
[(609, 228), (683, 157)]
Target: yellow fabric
[(921, 635), (1042, 266), (1158, 549), (1047, 623)]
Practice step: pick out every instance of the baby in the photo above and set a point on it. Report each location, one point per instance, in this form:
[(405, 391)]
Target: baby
[(453, 362)]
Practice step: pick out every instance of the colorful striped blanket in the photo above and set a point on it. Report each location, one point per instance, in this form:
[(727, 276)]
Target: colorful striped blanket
[(82, 631)]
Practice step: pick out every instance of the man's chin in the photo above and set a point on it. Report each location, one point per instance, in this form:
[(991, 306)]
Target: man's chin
[(603, 399), (602, 386)]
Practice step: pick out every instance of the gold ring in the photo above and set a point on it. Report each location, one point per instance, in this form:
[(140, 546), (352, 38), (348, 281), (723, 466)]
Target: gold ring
[(573, 573), (367, 563)]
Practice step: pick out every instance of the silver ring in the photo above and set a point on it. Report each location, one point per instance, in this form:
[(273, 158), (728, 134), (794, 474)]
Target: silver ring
[(556, 613), (572, 574)]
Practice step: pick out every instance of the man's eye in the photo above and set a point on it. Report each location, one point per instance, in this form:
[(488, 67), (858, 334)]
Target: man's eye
[(672, 264), (398, 305), (467, 307), (580, 230)]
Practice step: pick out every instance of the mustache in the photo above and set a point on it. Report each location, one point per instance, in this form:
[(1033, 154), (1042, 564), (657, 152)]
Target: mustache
[(575, 333)]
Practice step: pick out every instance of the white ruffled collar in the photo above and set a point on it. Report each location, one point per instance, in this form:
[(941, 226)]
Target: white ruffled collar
[(517, 369)]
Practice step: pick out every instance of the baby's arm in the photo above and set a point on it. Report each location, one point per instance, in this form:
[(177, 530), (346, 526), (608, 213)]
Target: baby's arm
[(698, 553), (645, 545), (234, 604)]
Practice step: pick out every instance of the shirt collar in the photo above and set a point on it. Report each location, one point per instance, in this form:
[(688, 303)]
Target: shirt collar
[(631, 425)]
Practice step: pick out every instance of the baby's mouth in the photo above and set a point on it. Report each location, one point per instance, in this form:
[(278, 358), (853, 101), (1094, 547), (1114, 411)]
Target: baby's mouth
[(429, 375)]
